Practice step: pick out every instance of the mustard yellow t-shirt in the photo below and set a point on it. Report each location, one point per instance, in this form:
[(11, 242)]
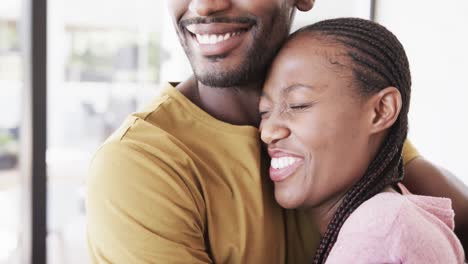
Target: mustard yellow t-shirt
[(175, 185), (409, 152)]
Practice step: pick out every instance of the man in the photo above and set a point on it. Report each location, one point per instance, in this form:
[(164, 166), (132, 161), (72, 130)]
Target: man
[(183, 181)]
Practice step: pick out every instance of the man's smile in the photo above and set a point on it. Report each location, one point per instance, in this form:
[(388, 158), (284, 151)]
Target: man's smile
[(215, 39)]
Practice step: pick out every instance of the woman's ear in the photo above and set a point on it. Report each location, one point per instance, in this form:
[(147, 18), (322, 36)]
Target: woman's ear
[(305, 5), (386, 107)]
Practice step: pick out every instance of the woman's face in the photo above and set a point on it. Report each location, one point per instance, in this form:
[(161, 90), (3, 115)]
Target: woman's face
[(315, 124)]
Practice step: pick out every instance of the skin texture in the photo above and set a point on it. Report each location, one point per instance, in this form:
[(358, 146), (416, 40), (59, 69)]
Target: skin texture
[(237, 102), (312, 111)]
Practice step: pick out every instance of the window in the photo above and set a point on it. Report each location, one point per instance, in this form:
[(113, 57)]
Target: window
[(104, 62), (10, 101)]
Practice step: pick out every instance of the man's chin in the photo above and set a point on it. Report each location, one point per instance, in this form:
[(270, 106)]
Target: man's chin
[(225, 78), (221, 80), (227, 70)]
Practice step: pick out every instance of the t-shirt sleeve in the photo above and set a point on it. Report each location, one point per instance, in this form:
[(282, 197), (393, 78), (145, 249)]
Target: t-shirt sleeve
[(142, 210), (409, 152)]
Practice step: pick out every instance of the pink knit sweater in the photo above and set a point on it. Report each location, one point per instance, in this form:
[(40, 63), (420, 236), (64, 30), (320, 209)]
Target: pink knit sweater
[(395, 228)]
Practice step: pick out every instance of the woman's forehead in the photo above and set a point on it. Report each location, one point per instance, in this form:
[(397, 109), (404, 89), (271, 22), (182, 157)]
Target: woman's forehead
[(314, 44), (309, 61), (305, 56)]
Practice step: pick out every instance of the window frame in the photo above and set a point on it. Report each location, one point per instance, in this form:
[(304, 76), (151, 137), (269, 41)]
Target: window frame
[(33, 130)]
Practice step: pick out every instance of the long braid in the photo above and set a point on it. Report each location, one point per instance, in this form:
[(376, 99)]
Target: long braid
[(378, 61)]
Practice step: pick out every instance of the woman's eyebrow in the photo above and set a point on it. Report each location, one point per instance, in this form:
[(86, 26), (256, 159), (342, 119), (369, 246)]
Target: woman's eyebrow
[(294, 87), (287, 90)]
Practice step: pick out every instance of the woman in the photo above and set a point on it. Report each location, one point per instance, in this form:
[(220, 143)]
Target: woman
[(334, 117)]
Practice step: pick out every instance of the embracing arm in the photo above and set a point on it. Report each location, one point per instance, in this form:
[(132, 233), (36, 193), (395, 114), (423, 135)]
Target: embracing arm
[(424, 178), (140, 210)]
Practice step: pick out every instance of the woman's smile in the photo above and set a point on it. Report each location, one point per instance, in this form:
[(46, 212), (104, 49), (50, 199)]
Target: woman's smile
[(283, 164)]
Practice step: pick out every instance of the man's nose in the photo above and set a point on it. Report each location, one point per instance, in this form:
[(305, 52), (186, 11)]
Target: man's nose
[(272, 131), (209, 7)]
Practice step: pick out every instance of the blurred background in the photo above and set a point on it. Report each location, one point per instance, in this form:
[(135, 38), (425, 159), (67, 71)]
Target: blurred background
[(106, 59)]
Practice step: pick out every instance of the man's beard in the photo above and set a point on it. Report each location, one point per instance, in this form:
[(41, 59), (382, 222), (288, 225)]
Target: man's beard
[(251, 70)]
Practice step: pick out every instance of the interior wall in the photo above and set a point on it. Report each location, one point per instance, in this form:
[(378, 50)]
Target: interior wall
[(435, 37)]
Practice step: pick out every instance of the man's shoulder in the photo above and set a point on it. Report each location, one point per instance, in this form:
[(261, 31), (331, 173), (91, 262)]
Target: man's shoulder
[(139, 148), (150, 130), (142, 149), (124, 169)]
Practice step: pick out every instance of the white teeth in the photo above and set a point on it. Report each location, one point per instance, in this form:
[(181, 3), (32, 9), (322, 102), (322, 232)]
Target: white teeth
[(283, 162), (213, 38), (191, 28), (204, 39)]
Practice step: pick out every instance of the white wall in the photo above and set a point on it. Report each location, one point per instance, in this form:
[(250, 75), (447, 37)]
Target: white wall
[(11, 9), (435, 37), (326, 9)]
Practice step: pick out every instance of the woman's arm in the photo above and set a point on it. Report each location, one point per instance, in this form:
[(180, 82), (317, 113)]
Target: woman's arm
[(424, 178)]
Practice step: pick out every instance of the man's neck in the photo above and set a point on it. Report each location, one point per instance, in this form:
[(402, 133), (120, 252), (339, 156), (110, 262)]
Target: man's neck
[(233, 105)]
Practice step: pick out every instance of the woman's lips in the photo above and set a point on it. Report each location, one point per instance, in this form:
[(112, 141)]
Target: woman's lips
[(283, 165)]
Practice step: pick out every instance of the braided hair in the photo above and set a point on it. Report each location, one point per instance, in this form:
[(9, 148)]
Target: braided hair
[(378, 60)]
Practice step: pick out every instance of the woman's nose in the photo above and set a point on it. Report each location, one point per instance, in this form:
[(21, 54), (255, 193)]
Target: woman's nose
[(209, 7), (272, 131)]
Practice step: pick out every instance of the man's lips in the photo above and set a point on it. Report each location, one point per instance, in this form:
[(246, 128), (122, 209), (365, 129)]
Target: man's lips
[(217, 28), (283, 164), (218, 38)]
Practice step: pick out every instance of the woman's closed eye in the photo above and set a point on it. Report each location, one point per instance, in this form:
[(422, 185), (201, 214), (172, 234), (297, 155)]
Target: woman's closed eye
[(300, 107), (264, 114)]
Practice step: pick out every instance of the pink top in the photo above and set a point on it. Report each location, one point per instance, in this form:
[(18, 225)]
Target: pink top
[(395, 228)]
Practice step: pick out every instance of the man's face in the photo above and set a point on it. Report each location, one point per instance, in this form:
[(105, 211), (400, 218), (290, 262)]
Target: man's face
[(231, 42)]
